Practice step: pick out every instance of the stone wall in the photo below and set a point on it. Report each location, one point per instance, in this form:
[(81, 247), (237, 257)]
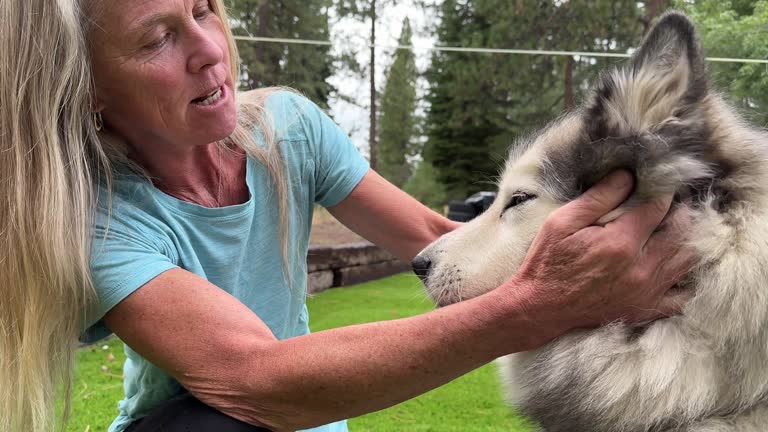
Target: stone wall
[(331, 266)]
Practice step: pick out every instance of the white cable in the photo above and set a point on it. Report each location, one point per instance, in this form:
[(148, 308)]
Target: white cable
[(480, 50)]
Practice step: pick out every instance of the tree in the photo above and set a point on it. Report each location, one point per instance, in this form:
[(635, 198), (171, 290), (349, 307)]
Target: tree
[(653, 8), (366, 9), (398, 124), (481, 104), (736, 29), (303, 67), (594, 26), (459, 126), (423, 186)]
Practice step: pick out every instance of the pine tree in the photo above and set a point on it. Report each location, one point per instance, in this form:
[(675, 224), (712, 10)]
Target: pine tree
[(736, 28), (481, 104), (397, 121), (463, 134), (302, 67), (423, 186), (367, 11)]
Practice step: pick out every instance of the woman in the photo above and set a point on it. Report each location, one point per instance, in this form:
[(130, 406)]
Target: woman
[(145, 197)]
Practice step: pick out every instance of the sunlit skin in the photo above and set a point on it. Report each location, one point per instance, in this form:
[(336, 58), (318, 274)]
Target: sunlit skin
[(147, 76)]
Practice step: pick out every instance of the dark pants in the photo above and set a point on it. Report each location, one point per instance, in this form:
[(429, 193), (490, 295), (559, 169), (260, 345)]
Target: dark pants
[(187, 414)]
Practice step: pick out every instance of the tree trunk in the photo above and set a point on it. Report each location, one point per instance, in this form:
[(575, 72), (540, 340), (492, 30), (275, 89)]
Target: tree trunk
[(569, 103), (264, 15), (372, 132), (652, 9)]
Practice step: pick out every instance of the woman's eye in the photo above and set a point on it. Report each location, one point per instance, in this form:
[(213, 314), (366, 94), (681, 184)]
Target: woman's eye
[(159, 43), (202, 14), (203, 11), (517, 199)]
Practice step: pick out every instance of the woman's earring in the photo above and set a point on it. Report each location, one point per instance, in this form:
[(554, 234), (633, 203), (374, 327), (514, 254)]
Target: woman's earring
[(98, 122)]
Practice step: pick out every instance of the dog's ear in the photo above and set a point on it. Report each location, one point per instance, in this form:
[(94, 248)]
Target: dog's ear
[(647, 116), (666, 78)]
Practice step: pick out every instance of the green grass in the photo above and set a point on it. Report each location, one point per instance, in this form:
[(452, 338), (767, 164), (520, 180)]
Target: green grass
[(470, 403), (97, 387)]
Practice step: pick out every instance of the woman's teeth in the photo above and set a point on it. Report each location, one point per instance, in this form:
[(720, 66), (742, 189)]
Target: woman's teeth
[(211, 99)]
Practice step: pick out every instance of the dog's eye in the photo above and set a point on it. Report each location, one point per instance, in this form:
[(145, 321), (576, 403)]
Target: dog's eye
[(517, 199)]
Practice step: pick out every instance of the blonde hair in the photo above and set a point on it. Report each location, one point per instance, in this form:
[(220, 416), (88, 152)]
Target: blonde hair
[(51, 159), (47, 168)]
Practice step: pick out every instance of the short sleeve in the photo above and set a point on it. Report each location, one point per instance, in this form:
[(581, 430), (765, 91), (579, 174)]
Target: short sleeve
[(127, 252), (338, 164)]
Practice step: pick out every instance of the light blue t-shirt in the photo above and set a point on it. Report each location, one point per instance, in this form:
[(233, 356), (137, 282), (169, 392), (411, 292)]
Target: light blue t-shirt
[(237, 248)]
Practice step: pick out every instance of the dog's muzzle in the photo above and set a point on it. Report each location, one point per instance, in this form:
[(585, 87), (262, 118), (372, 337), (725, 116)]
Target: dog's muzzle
[(421, 266)]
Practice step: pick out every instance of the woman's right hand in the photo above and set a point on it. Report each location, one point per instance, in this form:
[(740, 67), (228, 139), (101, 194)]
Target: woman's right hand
[(582, 275)]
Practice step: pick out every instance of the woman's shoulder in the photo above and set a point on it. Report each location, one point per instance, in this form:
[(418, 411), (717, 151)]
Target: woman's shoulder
[(273, 97), (291, 114), (128, 204)]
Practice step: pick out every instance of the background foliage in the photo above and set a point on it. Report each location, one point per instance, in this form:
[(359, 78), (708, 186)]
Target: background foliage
[(737, 28), (398, 123), (303, 67)]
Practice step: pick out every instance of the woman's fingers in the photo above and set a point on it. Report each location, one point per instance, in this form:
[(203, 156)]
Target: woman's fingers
[(672, 303), (593, 204), (640, 222), (667, 250), (667, 260)]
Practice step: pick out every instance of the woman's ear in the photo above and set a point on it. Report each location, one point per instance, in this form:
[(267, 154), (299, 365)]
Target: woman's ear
[(98, 105)]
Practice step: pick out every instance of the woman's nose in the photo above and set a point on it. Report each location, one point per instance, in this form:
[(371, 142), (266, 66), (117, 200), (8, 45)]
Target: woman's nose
[(207, 49)]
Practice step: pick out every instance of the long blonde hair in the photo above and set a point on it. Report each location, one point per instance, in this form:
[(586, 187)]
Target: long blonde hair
[(51, 158)]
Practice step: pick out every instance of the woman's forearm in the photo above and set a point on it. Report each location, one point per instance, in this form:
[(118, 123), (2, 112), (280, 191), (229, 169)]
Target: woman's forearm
[(341, 373), (390, 218)]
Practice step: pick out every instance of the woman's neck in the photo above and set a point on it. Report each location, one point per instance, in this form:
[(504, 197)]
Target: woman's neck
[(209, 175)]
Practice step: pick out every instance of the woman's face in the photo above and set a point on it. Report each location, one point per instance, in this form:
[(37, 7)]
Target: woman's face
[(162, 72)]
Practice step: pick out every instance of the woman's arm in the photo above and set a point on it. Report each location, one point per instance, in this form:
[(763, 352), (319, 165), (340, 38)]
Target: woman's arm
[(379, 211), (227, 357)]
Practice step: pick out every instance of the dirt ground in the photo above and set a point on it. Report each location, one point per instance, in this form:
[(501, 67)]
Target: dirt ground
[(326, 230)]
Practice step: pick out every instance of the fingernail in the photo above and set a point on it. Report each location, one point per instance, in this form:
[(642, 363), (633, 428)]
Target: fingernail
[(620, 179)]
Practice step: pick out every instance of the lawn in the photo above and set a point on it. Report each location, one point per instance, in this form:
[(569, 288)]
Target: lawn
[(470, 403)]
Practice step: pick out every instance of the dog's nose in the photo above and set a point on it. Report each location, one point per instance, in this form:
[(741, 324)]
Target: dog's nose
[(421, 266)]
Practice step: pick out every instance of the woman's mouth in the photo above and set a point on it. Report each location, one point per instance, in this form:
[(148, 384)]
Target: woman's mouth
[(209, 99)]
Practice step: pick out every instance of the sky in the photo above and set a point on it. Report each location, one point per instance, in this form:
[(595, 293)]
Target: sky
[(353, 35)]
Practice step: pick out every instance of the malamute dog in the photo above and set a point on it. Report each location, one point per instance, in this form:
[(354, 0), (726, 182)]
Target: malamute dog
[(703, 371)]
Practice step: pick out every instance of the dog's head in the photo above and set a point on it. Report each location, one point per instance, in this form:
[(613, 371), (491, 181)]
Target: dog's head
[(654, 116)]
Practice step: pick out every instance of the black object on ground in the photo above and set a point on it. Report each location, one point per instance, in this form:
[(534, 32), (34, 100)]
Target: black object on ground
[(470, 208)]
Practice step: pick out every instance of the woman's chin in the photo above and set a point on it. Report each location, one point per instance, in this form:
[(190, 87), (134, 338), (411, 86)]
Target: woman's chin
[(216, 120), (212, 131), (224, 129)]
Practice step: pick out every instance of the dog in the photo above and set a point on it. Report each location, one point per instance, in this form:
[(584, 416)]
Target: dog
[(705, 370)]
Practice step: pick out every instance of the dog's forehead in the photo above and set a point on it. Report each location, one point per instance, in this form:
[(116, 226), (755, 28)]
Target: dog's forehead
[(526, 164), (522, 172)]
